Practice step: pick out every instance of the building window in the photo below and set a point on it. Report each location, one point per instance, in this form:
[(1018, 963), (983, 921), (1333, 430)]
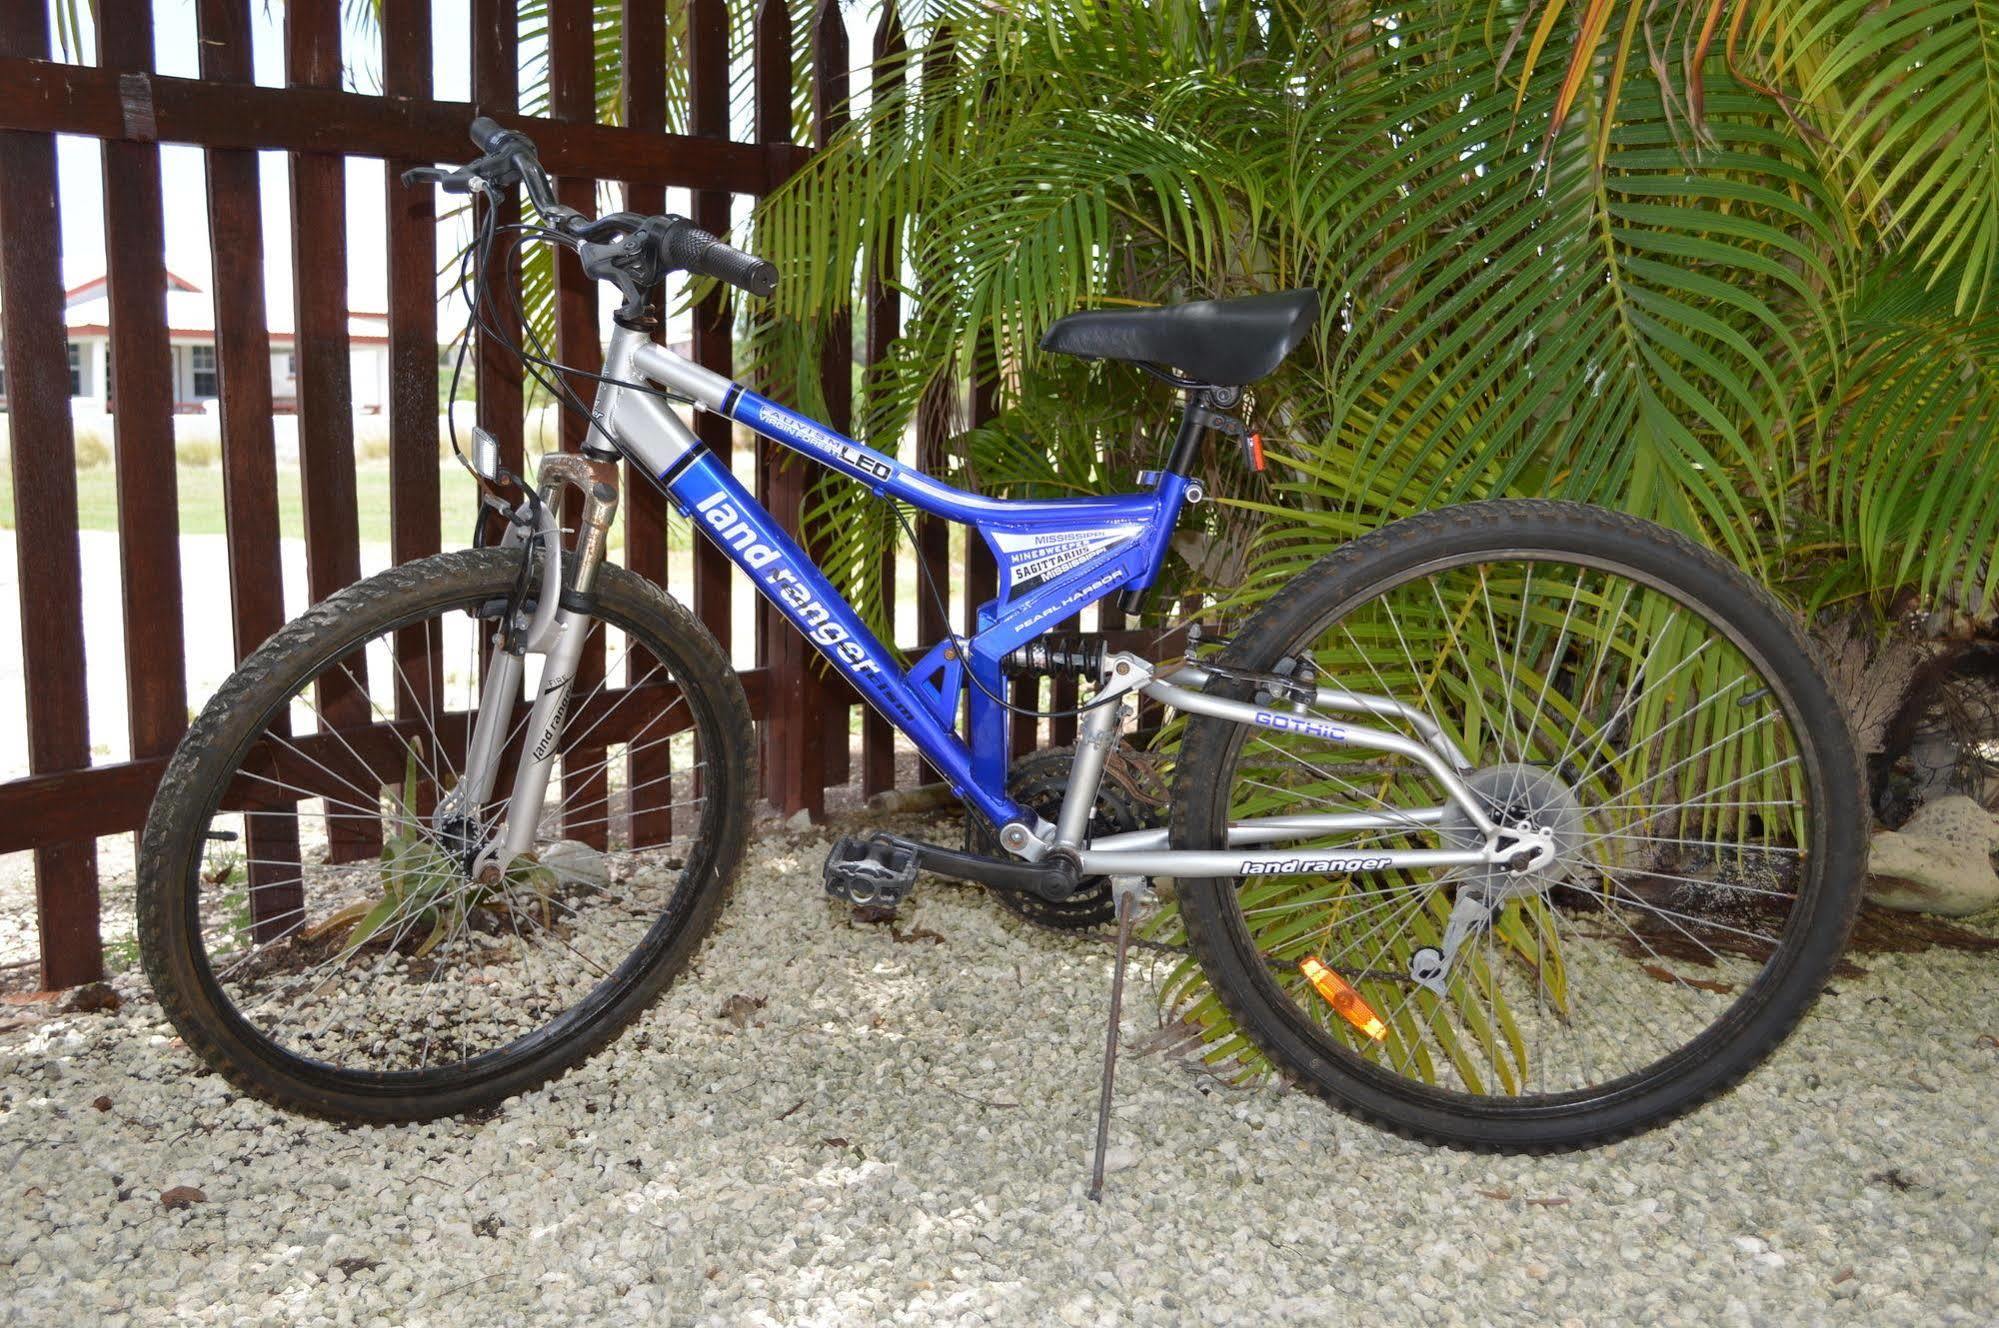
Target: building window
[(201, 363), (75, 370)]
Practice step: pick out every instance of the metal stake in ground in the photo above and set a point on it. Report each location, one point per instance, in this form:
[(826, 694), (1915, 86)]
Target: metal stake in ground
[(1125, 890)]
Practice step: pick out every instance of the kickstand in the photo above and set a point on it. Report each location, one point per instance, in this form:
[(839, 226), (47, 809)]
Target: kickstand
[(1126, 891)]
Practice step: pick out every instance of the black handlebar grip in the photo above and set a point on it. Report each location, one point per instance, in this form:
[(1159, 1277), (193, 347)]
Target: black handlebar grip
[(488, 134), (695, 250)]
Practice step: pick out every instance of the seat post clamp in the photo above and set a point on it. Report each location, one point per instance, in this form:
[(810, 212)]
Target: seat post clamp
[(1231, 425)]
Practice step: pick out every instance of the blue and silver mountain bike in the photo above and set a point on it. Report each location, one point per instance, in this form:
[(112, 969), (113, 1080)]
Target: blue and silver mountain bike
[(1516, 825)]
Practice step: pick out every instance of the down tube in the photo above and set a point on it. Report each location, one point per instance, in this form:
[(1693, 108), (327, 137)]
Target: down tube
[(724, 510)]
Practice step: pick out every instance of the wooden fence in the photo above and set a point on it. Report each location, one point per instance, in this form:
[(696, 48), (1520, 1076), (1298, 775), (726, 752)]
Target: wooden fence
[(66, 802)]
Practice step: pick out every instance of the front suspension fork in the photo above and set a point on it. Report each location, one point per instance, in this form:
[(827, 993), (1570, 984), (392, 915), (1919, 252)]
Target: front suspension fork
[(558, 638)]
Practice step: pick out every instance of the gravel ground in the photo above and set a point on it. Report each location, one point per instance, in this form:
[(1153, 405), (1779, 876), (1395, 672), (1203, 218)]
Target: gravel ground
[(900, 1131)]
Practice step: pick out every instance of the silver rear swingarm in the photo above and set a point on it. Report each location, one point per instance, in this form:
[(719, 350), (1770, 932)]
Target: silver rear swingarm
[(1145, 852)]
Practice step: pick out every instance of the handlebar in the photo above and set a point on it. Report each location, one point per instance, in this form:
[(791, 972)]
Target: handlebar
[(692, 249), (489, 136), (668, 243)]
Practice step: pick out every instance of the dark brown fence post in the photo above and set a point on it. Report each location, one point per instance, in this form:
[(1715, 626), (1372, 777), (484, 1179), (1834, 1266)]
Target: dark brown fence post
[(249, 458), (413, 436), (714, 332), (496, 91), (325, 392), (933, 427), (586, 784), (832, 698), (44, 458), (794, 731), (981, 573), (648, 765), (412, 254), (142, 392), (883, 309)]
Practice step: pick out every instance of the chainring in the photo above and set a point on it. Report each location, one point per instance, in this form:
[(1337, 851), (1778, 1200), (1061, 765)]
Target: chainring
[(1130, 797)]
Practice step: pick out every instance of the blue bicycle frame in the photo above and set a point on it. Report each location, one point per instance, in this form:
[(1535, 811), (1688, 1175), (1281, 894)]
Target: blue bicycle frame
[(1056, 557)]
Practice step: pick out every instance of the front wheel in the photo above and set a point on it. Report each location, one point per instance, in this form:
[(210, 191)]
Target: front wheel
[(315, 912), (1631, 698)]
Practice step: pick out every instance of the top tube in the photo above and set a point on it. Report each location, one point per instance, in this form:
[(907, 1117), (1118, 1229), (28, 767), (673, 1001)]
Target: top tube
[(883, 474)]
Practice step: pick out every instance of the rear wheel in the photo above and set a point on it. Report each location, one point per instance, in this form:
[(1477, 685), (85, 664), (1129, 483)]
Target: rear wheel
[(312, 910), (1614, 687)]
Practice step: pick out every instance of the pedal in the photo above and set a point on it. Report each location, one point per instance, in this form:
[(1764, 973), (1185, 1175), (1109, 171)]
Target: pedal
[(879, 870)]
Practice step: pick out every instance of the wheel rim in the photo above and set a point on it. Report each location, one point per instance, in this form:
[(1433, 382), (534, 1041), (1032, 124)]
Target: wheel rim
[(370, 959), (1686, 876)]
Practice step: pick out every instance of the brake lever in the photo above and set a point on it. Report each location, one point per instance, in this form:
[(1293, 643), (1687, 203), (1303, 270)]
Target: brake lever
[(417, 175), (458, 181), (496, 170)]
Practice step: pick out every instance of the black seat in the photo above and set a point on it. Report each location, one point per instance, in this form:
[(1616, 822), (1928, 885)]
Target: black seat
[(1220, 343)]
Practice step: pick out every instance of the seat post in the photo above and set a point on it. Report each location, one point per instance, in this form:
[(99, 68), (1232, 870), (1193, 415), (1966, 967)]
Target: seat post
[(1187, 442), (1182, 457)]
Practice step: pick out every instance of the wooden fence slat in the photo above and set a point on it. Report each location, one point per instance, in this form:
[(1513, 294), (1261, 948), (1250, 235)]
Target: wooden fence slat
[(413, 392), (573, 96), (498, 373), (933, 427), (770, 67), (242, 346), (496, 89), (831, 80), (249, 452), (794, 731), (325, 391), (981, 572), (883, 304), (714, 331), (648, 769), (412, 271), (142, 394), (48, 561), (49, 97)]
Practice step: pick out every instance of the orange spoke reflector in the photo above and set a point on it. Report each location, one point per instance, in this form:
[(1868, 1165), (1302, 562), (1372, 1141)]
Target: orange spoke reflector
[(1339, 994)]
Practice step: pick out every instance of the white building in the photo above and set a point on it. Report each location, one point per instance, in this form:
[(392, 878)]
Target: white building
[(191, 336)]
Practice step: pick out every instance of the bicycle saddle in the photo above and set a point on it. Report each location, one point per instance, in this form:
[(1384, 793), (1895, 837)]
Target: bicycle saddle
[(1221, 343)]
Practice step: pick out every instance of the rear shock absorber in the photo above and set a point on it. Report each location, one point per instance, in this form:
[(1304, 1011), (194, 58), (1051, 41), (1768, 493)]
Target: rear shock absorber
[(1053, 656)]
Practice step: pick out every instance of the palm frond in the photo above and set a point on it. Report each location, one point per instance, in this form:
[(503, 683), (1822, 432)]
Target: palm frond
[(1908, 96)]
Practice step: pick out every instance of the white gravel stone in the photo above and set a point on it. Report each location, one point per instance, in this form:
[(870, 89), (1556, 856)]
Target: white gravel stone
[(902, 1135)]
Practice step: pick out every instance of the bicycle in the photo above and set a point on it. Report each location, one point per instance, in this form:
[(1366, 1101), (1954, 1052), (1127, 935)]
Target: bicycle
[(1519, 825)]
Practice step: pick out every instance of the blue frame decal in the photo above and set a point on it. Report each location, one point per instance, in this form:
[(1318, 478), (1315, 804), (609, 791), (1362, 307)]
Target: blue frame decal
[(1057, 557)]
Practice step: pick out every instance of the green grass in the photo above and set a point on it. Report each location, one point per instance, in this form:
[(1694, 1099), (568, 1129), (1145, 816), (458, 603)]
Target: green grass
[(201, 513), (201, 510)]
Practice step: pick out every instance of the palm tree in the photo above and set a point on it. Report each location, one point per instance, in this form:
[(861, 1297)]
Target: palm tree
[(1747, 297)]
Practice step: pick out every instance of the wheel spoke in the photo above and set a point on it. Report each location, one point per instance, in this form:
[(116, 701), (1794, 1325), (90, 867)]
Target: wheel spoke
[(404, 960), (1610, 706)]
